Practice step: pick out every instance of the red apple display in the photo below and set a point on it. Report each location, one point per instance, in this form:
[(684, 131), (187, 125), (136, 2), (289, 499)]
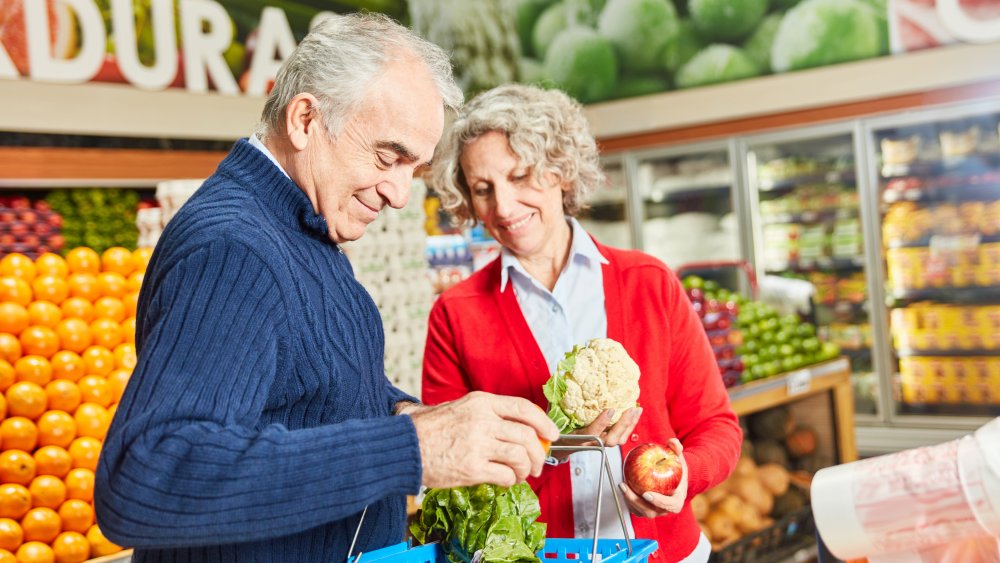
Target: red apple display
[(653, 467)]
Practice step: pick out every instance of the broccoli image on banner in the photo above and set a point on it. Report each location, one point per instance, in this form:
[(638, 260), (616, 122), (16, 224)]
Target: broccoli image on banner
[(590, 380)]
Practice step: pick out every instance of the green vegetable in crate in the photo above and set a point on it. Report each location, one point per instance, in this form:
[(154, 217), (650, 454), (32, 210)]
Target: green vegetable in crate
[(823, 32), (590, 380), (679, 49), (758, 46), (497, 520), (583, 64), (714, 64), (639, 30), (726, 20)]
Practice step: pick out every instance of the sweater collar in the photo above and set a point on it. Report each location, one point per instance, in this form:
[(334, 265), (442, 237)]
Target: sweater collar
[(276, 191)]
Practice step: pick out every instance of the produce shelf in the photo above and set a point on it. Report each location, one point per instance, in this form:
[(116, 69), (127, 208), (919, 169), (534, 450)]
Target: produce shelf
[(662, 195), (829, 377), (818, 265), (976, 295), (835, 177), (904, 353), (813, 217)]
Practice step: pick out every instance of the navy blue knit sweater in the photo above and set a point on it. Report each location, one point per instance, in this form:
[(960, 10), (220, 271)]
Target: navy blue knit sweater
[(258, 422)]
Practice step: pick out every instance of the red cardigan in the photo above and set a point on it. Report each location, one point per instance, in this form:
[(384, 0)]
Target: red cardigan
[(478, 340)]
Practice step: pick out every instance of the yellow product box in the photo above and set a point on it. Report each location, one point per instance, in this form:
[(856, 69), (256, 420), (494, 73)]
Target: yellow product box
[(991, 340), (989, 317), (989, 254), (912, 368), (976, 368), (972, 340), (905, 319)]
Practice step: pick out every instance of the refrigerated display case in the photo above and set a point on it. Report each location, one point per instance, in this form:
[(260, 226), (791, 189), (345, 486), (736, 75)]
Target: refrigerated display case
[(806, 224), (937, 179), (607, 214), (684, 203)]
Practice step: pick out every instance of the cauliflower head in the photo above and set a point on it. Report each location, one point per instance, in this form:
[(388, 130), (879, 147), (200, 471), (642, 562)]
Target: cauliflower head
[(590, 380)]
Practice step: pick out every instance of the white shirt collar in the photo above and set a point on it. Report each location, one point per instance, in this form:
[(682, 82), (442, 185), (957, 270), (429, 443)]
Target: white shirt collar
[(256, 143), (582, 246)]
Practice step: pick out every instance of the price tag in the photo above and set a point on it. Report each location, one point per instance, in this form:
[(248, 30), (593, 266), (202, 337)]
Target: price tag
[(798, 381)]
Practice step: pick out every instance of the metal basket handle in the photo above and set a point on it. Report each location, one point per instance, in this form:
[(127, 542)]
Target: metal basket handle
[(596, 557)]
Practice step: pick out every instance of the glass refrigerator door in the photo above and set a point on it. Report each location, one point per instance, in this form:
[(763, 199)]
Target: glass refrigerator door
[(607, 217), (685, 204), (809, 227), (939, 179)]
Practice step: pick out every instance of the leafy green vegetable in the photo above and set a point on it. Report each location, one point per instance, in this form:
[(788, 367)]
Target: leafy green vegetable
[(499, 521), (555, 388)]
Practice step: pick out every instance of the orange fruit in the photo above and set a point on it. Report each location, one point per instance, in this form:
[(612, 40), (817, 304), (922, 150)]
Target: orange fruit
[(95, 389), (56, 428), (19, 266), (15, 500), (130, 303), (78, 308), (106, 333), (50, 264), (50, 288), (117, 380), (47, 491), (135, 281), (77, 515), (109, 308), (41, 524), (17, 466), (117, 259), (7, 377), (19, 433), (112, 284), (74, 334), (71, 547), (100, 545), (35, 552), (10, 347), (3, 406), (140, 258), (84, 286), (99, 360), (15, 290), (79, 484), (64, 395), (84, 451), (40, 341), (92, 420), (52, 460), (44, 313), (26, 399), (128, 330), (13, 317), (83, 260), (125, 357), (35, 369), (11, 535), (7, 556), (112, 410), (68, 365)]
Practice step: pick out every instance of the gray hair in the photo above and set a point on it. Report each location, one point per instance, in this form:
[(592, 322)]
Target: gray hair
[(340, 58), (547, 132)]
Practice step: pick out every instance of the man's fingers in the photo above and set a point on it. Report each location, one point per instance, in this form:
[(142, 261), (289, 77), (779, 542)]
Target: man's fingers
[(525, 438), (525, 412), (515, 457)]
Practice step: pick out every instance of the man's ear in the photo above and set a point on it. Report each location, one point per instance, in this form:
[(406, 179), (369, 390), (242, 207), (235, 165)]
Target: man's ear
[(301, 115)]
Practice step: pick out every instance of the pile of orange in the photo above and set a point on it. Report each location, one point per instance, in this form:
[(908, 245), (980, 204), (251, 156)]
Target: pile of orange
[(67, 349)]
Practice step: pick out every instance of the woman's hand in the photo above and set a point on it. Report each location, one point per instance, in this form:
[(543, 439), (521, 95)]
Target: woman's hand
[(611, 435), (651, 505)]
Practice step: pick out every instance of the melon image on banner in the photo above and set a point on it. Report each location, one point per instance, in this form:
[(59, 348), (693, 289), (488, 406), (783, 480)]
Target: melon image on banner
[(13, 31)]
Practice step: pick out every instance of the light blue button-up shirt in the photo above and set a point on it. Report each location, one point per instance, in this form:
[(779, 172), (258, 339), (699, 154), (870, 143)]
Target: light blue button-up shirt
[(572, 313)]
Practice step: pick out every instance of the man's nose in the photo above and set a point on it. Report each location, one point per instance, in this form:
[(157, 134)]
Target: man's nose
[(396, 191)]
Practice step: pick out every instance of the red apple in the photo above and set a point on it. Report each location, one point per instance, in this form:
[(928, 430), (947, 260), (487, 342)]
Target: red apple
[(653, 467)]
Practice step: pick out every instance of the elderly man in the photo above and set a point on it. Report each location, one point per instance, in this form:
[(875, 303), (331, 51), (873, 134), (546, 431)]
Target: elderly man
[(259, 423)]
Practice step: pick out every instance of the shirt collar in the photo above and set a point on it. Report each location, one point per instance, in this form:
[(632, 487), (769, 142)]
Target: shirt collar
[(259, 145), (582, 246)]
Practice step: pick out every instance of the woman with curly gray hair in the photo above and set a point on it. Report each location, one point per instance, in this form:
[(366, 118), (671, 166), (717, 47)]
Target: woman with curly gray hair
[(521, 161)]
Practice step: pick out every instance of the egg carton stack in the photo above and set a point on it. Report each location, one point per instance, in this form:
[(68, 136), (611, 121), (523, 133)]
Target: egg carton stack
[(171, 195), (390, 261)]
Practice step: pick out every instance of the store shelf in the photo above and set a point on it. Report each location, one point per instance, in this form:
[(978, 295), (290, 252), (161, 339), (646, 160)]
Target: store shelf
[(683, 194), (963, 166), (926, 241), (813, 217), (948, 353), (52, 167), (828, 377), (831, 177), (818, 265), (933, 194), (971, 295)]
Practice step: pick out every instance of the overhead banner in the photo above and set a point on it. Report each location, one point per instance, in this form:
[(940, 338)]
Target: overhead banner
[(595, 50)]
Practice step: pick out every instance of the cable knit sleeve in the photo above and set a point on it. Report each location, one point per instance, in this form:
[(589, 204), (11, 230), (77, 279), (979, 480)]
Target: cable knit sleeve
[(699, 407), (185, 463)]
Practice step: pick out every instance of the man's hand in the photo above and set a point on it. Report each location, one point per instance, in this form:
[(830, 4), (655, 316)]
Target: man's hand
[(613, 435), (481, 438), (651, 505)]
